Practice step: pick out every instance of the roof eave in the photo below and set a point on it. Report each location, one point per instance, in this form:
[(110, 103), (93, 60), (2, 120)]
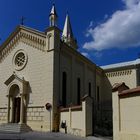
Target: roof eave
[(16, 31)]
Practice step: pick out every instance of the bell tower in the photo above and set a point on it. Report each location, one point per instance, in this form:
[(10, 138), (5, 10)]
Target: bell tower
[(52, 32), (53, 39)]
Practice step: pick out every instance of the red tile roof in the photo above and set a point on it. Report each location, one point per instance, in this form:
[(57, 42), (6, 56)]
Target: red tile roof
[(119, 87), (132, 92)]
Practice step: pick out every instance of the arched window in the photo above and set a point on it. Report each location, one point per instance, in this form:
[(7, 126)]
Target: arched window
[(64, 89), (49, 41), (98, 97), (78, 91), (89, 89)]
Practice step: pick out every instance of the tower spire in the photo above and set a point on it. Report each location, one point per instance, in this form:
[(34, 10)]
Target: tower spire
[(53, 16), (67, 35), (67, 31)]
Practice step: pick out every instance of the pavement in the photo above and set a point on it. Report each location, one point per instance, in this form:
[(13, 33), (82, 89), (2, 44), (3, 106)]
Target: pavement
[(47, 136)]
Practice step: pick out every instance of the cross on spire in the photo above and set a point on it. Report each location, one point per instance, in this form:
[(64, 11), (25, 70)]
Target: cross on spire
[(22, 20)]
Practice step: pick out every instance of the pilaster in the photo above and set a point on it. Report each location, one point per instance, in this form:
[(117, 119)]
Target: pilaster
[(8, 109), (21, 110)]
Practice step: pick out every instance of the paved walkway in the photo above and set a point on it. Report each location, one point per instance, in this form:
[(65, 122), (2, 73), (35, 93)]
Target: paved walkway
[(45, 136)]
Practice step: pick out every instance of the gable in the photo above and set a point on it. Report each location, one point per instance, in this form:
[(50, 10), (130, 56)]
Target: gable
[(26, 35)]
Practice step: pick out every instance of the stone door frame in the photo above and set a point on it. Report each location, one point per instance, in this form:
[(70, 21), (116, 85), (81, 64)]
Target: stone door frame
[(16, 81)]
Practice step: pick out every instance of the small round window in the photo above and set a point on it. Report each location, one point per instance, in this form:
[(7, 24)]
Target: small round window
[(20, 60)]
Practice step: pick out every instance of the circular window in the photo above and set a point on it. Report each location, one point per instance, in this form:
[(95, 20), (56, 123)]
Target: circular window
[(20, 60)]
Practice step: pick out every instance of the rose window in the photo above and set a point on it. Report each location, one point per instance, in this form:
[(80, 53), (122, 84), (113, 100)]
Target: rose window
[(20, 59)]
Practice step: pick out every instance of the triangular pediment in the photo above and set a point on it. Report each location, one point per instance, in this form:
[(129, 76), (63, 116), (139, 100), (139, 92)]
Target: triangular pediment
[(32, 37), (12, 78)]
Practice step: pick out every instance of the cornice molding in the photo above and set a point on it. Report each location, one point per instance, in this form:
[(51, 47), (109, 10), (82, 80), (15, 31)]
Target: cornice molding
[(26, 37), (119, 73)]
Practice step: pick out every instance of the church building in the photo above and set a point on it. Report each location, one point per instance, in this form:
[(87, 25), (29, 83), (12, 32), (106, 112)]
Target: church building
[(46, 84)]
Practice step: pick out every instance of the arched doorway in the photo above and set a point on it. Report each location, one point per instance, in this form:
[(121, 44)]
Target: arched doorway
[(17, 99), (15, 103)]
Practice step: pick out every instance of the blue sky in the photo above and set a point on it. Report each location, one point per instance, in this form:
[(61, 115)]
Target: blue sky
[(107, 31)]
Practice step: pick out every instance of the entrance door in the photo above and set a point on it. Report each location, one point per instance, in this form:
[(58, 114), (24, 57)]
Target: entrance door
[(16, 110)]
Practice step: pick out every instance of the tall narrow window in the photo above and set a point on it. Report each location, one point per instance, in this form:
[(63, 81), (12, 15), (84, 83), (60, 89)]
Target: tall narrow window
[(89, 89), (78, 91), (49, 41), (98, 97), (64, 89)]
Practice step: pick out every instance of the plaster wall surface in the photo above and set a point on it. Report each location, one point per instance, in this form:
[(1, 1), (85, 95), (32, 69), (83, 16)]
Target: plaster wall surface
[(126, 117), (128, 76)]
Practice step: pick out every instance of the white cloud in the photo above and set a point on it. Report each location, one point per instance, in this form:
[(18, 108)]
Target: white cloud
[(130, 3), (91, 24), (89, 29), (121, 30), (85, 54)]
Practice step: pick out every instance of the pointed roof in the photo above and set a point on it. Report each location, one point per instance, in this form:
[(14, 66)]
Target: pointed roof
[(53, 10), (119, 87), (67, 31)]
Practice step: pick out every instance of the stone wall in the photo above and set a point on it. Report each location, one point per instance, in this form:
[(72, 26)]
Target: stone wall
[(126, 114), (35, 113), (3, 114)]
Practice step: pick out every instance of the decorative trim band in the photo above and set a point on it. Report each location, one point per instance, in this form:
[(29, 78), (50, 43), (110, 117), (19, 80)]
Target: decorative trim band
[(119, 73), (27, 38)]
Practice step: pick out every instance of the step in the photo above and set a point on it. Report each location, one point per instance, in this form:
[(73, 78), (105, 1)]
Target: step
[(14, 128)]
